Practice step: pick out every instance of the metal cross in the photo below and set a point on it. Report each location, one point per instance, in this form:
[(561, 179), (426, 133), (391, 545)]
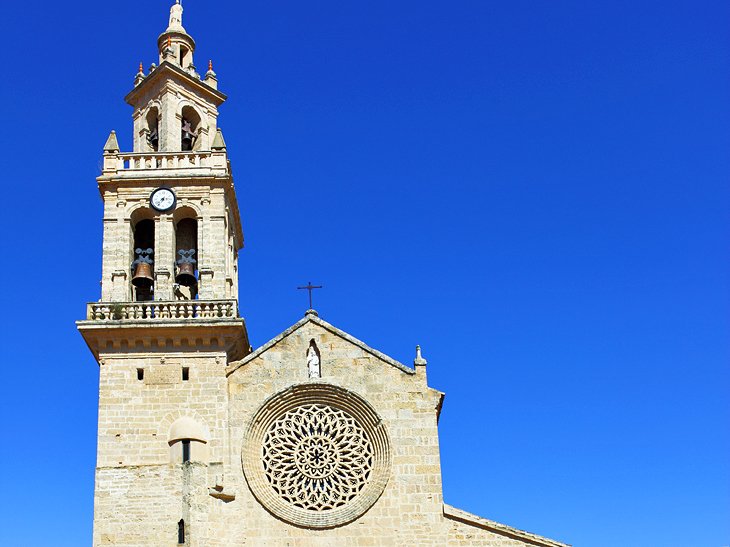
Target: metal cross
[(310, 287)]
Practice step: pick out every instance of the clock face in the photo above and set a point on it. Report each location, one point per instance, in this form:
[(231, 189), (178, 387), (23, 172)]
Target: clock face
[(163, 199)]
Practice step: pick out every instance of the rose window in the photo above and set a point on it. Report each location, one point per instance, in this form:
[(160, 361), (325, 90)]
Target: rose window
[(317, 455)]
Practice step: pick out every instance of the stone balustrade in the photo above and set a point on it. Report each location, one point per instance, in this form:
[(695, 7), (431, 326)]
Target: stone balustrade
[(160, 311), (164, 163)]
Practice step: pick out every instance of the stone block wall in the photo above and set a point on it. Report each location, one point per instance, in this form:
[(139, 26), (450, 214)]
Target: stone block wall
[(141, 494), (142, 489)]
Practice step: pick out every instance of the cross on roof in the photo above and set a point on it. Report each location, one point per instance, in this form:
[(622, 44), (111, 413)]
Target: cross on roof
[(310, 287)]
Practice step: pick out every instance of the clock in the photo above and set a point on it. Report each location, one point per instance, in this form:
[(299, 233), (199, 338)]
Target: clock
[(163, 199)]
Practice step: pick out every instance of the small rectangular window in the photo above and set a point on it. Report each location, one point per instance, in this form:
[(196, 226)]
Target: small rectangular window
[(186, 374), (186, 450), (140, 374), (181, 531)]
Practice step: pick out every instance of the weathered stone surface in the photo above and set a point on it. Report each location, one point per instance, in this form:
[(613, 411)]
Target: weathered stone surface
[(144, 489)]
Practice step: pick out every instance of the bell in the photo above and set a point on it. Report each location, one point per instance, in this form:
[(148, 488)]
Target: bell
[(186, 274), (154, 138), (143, 275), (188, 135)]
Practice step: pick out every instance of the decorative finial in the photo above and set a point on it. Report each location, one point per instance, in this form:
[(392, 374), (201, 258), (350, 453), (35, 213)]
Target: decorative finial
[(111, 146), (218, 142), (139, 78), (419, 360), (210, 77)]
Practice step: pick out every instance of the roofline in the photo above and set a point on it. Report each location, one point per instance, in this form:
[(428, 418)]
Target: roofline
[(311, 317), (453, 513)]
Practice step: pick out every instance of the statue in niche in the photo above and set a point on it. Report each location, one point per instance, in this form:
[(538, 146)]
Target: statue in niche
[(313, 366)]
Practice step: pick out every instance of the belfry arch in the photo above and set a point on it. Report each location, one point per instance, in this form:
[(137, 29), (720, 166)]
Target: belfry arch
[(185, 221), (193, 132), (152, 128), (142, 254)]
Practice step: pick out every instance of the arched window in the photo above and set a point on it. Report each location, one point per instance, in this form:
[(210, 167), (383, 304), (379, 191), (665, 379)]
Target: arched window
[(190, 128), (143, 262), (153, 128), (185, 57), (186, 253), (181, 531)]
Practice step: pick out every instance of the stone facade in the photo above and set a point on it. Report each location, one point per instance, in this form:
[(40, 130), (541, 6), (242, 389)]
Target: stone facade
[(313, 439)]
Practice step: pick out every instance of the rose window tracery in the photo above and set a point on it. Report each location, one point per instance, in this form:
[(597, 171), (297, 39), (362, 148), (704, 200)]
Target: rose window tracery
[(316, 455)]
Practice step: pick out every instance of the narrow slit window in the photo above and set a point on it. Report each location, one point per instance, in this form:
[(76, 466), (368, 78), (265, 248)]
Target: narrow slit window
[(140, 374), (185, 450), (186, 374), (181, 531)]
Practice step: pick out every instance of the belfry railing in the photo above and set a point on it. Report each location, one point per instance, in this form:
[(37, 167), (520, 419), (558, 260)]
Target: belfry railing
[(164, 162), (155, 310)]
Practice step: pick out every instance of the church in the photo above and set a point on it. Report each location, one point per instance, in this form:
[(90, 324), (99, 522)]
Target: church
[(313, 439)]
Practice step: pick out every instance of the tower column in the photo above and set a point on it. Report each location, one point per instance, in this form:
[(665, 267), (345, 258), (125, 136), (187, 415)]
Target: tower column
[(165, 259), (170, 122), (116, 252), (214, 241)]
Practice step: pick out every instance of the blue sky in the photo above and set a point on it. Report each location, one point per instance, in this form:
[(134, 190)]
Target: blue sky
[(535, 192)]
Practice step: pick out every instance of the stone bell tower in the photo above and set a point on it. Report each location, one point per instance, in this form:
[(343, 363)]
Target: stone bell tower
[(313, 439), (167, 323)]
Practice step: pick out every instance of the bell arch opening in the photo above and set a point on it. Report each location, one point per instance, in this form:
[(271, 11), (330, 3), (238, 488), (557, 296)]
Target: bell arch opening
[(191, 124), (186, 254), (152, 122), (143, 251)]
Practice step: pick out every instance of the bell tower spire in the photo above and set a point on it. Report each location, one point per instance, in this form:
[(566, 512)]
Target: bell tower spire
[(160, 125), (167, 323), (175, 190)]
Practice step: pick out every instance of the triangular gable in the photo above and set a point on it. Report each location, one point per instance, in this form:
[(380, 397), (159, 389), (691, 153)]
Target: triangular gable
[(313, 318)]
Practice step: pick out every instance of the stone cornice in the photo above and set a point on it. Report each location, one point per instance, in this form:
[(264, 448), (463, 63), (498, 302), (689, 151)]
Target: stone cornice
[(126, 336), (167, 71)]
